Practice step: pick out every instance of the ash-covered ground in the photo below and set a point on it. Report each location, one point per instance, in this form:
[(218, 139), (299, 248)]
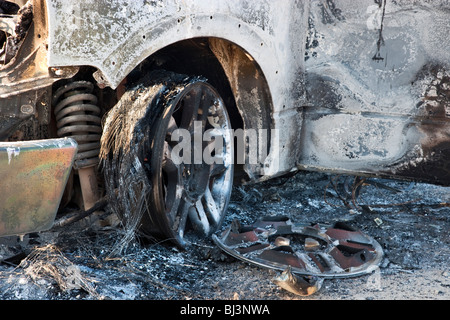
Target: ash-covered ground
[(410, 221)]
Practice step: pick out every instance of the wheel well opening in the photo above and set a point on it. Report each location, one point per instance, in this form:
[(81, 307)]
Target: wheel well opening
[(234, 74), (192, 57)]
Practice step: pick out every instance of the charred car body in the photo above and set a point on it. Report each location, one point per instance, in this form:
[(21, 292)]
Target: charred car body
[(97, 90)]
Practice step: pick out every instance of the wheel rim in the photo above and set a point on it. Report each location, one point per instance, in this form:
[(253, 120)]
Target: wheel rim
[(196, 190)]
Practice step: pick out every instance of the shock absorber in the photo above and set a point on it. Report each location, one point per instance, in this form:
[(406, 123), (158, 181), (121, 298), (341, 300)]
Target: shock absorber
[(78, 116)]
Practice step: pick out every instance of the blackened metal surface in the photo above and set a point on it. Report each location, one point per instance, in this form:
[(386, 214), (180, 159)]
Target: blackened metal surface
[(432, 164), (25, 116)]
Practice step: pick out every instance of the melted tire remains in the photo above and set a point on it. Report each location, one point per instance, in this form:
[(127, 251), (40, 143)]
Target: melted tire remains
[(149, 187)]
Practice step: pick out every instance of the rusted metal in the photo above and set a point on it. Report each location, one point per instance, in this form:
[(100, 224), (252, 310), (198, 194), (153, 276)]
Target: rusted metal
[(78, 116), (89, 186), (33, 176), (316, 251)]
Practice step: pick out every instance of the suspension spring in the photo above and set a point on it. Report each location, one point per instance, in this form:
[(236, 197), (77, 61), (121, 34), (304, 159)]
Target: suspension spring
[(78, 116)]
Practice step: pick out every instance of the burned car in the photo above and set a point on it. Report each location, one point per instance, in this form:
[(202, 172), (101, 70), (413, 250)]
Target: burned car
[(160, 106)]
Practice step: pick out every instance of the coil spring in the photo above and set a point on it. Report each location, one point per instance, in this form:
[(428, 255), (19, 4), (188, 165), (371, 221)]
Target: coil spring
[(78, 116)]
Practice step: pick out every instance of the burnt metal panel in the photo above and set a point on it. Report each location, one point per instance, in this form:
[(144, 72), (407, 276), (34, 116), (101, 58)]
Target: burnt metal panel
[(28, 69), (33, 176), (378, 89)]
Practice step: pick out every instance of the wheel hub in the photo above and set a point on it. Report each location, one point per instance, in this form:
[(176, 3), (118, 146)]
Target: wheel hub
[(195, 191)]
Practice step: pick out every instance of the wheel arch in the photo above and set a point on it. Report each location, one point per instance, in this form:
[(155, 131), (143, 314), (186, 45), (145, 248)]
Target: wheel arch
[(232, 71)]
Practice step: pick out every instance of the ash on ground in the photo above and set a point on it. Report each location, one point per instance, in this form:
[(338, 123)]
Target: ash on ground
[(409, 220)]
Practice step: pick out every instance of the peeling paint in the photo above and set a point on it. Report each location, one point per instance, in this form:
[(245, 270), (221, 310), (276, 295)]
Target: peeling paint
[(12, 152)]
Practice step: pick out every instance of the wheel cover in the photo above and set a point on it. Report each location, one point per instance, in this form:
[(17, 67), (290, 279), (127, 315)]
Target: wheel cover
[(319, 250), (191, 190)]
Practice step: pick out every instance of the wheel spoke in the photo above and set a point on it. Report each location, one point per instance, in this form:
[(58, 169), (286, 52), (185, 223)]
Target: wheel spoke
[(198, 217), (211, 208), (168, 165), (172, 184), (171, 127), (190, 110), (216, 152), (203, 109), (217, 169), (179, 222)]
